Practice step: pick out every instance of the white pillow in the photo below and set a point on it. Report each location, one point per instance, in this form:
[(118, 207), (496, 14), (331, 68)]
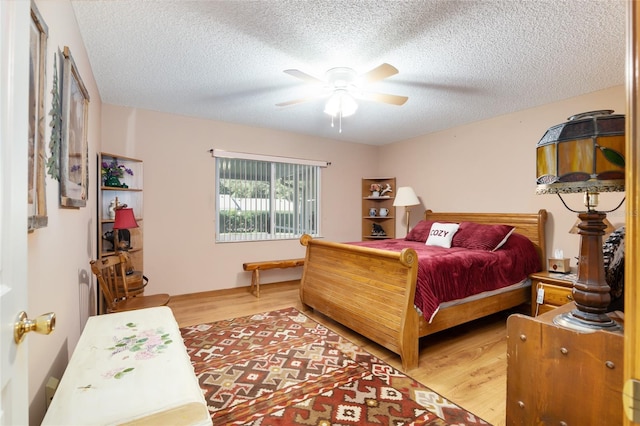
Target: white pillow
[(441, 234)]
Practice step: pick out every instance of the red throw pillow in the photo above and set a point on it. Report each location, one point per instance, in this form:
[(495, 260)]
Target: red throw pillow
[(420, 232), (478, 236)]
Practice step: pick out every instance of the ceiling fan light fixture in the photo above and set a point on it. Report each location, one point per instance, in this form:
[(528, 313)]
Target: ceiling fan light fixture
[(341, 103)]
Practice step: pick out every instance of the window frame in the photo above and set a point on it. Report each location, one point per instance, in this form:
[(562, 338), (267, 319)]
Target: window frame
[(275, 164)]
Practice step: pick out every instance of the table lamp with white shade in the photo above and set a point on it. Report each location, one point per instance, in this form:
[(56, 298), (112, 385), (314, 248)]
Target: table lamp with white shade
[(406, 197)]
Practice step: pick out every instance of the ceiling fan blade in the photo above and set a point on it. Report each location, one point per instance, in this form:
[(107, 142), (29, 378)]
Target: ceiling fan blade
[(384, 98), (296, 101), (304, 76), (381, 72)]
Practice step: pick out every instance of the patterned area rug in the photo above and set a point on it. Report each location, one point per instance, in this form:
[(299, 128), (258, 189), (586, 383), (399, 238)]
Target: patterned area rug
[(282, 368)]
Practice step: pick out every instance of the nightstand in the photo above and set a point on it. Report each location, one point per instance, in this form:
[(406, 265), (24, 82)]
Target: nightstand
[(557, 291)]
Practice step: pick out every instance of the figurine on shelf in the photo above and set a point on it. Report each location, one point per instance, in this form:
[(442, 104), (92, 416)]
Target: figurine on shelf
[(377, 231), (385, 190), (108, 237), (375, 189), (124, 239)]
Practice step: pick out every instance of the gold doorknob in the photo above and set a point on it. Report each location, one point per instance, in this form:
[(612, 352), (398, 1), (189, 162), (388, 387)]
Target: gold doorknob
[(44, 324)]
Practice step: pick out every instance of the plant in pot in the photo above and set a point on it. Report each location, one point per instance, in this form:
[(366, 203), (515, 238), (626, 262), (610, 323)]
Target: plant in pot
[(112, 172)]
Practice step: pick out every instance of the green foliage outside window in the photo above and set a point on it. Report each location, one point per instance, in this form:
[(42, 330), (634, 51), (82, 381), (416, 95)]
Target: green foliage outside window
[(249, 222)]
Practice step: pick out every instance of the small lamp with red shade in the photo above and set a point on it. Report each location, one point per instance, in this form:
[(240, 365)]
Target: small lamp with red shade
[(124, 220)]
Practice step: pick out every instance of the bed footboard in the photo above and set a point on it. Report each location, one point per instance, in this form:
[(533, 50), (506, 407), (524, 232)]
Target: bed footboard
[(368, 290)]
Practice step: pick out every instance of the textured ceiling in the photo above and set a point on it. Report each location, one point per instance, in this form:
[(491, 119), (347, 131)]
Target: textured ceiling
[(458, 61)]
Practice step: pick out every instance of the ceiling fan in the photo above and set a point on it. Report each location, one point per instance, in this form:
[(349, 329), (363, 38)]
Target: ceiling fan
[(343, 86)]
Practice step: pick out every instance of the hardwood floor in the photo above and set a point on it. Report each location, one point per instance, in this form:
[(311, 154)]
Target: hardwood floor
[(467, 364)]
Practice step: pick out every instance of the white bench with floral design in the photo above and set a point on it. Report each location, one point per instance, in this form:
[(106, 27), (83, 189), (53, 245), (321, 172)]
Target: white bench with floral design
[(129, 368)]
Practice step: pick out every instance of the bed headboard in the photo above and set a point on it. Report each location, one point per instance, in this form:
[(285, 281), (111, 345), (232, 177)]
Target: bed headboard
[(531, 225)]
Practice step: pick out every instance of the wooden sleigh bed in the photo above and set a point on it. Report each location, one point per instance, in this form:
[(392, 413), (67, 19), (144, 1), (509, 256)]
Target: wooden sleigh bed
[(371, 291)]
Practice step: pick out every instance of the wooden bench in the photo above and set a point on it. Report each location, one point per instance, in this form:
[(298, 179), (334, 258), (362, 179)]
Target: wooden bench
[(256, 267)]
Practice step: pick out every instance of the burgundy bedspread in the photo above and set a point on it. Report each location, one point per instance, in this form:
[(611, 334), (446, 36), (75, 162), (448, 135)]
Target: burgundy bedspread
[(446, 274)]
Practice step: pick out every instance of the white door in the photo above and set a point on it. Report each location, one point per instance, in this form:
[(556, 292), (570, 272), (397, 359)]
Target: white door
[(14, 94)]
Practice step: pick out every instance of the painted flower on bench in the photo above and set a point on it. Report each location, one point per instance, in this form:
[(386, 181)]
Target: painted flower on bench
[(117, 373), (146, 344), (142, 345)]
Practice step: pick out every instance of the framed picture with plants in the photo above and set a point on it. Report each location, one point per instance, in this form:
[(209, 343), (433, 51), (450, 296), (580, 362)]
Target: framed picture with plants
[(74, 159), (37, 200)]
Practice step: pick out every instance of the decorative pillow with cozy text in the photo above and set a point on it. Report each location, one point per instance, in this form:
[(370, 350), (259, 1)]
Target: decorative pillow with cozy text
[(441, 234), (478, 236)]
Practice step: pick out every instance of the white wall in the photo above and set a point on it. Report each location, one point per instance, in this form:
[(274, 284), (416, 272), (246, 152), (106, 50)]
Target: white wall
[(59, 278), (484, 166), (490, 166), (179, 189)]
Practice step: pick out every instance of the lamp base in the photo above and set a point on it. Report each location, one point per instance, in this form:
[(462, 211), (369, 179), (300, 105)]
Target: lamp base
[(407, 209), (573, 322)]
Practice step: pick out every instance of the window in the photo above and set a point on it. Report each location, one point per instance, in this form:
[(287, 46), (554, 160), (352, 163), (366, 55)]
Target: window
[(265, 198)]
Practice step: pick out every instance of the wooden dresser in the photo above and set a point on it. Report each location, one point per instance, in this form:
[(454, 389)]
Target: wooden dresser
[(557, 376)]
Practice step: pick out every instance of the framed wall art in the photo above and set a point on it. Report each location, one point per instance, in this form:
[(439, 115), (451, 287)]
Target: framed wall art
[(37, 200), (74, 158)]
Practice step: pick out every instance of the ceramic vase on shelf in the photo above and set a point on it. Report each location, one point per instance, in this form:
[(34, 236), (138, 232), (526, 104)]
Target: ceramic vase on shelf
[(112, 209), (112, 181), (375, 194)]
